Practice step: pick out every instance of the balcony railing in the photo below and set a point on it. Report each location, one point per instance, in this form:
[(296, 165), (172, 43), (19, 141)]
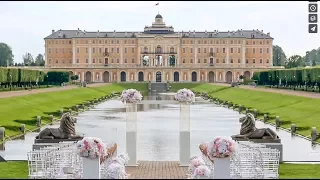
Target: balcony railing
[(159, 53)]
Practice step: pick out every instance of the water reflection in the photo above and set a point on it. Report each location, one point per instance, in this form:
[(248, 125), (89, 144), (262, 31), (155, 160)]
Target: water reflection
[(158, 130)]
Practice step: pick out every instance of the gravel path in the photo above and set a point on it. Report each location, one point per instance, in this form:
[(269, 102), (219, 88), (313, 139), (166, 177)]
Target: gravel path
[(35, 91), (280, 91)]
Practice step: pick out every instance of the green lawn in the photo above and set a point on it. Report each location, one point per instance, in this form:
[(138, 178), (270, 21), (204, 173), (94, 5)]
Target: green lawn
[(15, 111), (301, 111), (19, 170)]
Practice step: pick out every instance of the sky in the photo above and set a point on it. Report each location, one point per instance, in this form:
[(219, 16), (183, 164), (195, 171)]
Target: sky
[(24, 25)]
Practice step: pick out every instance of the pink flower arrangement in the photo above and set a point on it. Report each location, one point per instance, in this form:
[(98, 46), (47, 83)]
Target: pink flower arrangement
[(91, 147), (130, 96), (201, 171), (194, 163), (185, 95), (220, 147)]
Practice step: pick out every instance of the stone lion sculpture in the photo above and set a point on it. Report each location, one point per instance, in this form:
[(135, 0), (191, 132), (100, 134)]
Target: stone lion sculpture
[(65, 131), (249, 131)]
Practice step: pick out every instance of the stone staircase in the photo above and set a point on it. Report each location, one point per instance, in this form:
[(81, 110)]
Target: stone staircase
[(158, 86)]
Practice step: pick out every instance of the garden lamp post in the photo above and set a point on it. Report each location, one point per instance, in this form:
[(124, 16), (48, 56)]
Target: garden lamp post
[(10, 81), (47, 81), (270, 80), (294, 86)]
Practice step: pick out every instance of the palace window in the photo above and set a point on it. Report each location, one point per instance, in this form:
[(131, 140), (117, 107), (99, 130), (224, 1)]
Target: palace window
[(132, 41), (57, 61), (112, 61), (211, 42), (267, 50), (267, 61), (199, 42), (56, 50), (183, 42), (191, 42), (99, 60), (199, 50), (125, 50), (99, 41), (100, 50), (111, 50), (254, 42), (145, 49), (132, 50), (205, 61), (93, 41), (78, 50), (78, 60), (117, 41), (125, 41), (217, 42), (199, 60), (87, 61), (260, 50), (93, 50), (217, 60), (117, 50), (132, 60), (223, 50), (70, 50), (62, 42), (239, 42), (223, 60), (191, 50), (205, 42), (260, 61), (211, 50), (158, 49), (217, 50), (231, 50), (239, 50), (118, 60), (70, 61), (87, 42), (253, 61), (231, 60), (239, 60), (111, 41), (172, 50), (106, 41), (125, 61), (86, 50), (267, 42), (93, 60), (260, 42), (106, 50), (49, 61), (49, 50), (247, 61), (253, 50), (231, 42), (183, 50), (183, 61), (205, 50), (191, 60), (223, 42)]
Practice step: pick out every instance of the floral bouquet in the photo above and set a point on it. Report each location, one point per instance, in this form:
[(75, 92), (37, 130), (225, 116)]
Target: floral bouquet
[(91, 147), (130, 96), (194, 163), (116, 171), (185, 95), (220, 147), (201, 172)]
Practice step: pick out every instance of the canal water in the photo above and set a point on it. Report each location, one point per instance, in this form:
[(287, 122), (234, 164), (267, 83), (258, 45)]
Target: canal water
[(158, 130)]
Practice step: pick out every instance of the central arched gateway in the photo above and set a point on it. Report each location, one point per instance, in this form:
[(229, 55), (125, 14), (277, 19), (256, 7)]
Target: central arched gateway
[(176, 76), (158, 76), (123, 76), (229, 77), (194, 76), (140, 76), (106, 77), (211, 76), (246, 75), (88, 76)]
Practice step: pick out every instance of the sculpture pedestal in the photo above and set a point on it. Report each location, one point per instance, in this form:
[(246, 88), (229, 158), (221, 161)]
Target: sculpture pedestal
[(221, 168), (131, 133), (41, 143), (269, 143), (91, 168), (184, 134)]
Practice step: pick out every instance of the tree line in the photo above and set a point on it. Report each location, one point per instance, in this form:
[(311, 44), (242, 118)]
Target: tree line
[(7, 58)]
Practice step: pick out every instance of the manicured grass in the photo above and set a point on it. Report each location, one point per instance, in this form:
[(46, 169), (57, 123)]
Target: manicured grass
[(301, 111), (15, 111), (19, 169)]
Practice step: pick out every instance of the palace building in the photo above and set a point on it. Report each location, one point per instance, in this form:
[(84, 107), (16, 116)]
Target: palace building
[(159, 54)]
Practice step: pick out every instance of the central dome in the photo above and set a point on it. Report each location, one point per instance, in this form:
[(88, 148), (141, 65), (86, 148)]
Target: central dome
[(158, 16)]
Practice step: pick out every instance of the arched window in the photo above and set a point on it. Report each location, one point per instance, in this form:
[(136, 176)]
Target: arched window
[(158, 49), (171, 50), (145, 50)]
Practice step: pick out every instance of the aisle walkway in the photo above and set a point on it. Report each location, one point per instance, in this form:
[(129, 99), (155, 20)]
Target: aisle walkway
[(35, 91), (157, 170), (274, 90)]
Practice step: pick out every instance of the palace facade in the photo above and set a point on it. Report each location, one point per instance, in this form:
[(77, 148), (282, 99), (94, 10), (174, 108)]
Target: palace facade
[(159, 54)]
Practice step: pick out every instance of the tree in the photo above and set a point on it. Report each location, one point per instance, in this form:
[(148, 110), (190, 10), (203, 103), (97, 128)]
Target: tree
[(294, 61), (27, 59), (6, 56), (279, 56), (39, 60)]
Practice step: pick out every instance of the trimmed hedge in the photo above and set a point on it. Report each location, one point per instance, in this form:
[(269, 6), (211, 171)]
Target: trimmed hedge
[(291, 76), (8, 75)]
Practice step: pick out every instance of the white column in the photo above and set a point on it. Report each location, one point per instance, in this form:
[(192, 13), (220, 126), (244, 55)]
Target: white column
[(184, 134), (131, 133), (83, 76), (101, 78), (198, 76)]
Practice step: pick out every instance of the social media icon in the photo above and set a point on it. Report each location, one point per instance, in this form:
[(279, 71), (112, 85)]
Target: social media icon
[(313, 8), (313, 28), (313, 18)]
